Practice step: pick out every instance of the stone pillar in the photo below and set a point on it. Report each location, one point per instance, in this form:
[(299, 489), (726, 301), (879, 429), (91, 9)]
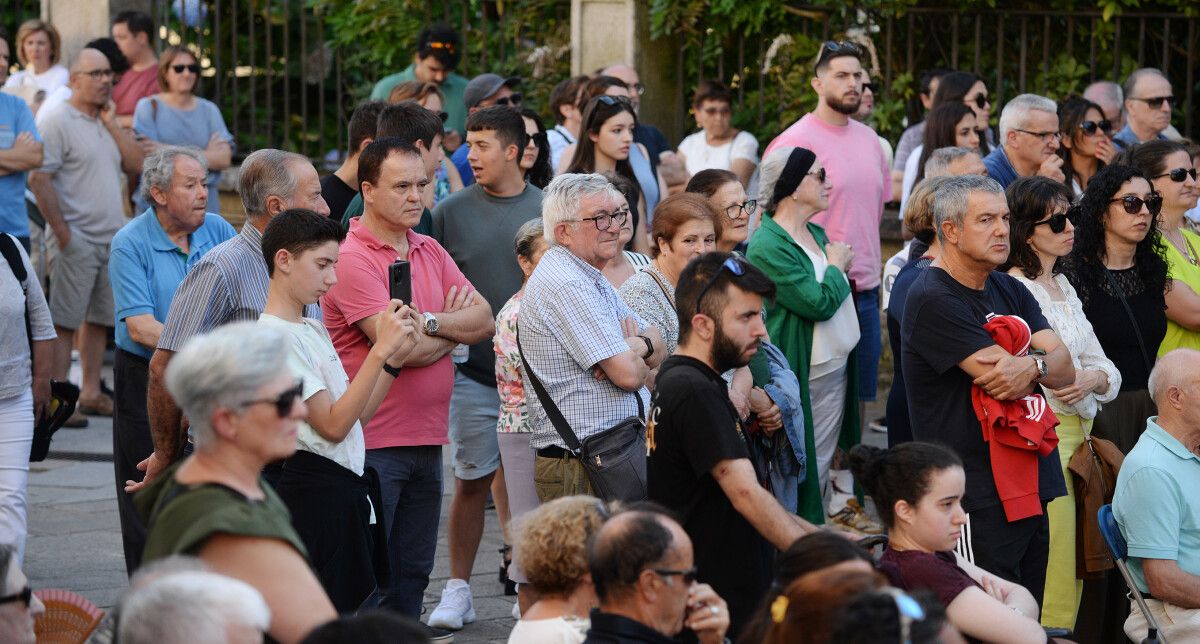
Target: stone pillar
[(77, 23), (604, 32)]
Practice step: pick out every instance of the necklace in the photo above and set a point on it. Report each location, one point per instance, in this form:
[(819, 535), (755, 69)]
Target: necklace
[(1183, 246)]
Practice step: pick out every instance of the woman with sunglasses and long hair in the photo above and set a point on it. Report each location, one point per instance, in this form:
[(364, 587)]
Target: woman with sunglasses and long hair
[(1118, 270), (176, 116), (812, 318), (718, 145), (1086, 144), (535, 157), (948, 125), (1042, 232), (1169, 167), (604, 146), (969, 89)]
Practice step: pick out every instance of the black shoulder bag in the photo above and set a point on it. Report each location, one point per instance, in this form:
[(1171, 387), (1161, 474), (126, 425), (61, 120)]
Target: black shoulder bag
[(614, 459)]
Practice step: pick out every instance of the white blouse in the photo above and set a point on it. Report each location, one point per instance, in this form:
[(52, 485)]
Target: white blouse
[(1068, 321)]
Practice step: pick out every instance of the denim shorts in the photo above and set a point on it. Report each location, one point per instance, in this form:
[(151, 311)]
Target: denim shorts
[(474, 412)]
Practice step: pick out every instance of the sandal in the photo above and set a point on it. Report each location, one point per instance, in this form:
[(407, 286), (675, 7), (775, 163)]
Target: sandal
[(510, 587)]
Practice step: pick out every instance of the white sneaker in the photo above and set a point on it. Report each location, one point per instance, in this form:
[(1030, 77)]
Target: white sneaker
[(455, 609), (516, 611)]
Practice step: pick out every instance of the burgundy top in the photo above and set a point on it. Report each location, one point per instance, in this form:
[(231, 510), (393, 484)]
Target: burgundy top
[(937, 572)]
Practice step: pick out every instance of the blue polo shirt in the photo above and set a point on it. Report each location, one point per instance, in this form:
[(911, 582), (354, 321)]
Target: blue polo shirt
[(1156, 505), (999, 167), (15, 118), (145, 268)]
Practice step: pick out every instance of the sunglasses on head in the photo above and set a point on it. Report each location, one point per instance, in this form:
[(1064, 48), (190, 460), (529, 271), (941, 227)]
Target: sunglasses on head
[(1178, 175), (193, 68), (980, 101), (689, 575), (734, 264), (1058, 221), (1089, 127), (1133, 203), (284, 402), (513, 99), (613, 100)]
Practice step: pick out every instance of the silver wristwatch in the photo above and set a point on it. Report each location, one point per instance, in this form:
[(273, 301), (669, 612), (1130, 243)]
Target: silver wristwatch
[(1041, 367), (431, 324)]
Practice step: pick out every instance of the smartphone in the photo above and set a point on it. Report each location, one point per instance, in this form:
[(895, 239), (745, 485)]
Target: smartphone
[(400, 281)]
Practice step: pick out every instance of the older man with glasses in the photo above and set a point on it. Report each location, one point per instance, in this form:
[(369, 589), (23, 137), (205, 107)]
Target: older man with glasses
[(591, 351), (1148, 103), (1029, 140)]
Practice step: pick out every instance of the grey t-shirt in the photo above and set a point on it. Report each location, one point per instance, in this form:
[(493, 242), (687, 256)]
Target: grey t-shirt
[(85, 165), (15, 367), (477, 229)]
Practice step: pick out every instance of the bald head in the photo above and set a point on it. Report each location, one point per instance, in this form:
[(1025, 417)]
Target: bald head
[(627, 544), (629, 76), (89, 59), (91, 81), (1175, 369), (1110, 98)]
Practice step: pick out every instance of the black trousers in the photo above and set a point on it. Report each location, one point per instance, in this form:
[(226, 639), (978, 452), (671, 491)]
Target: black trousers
[(131, 444), (1016, 551), (331, 513)]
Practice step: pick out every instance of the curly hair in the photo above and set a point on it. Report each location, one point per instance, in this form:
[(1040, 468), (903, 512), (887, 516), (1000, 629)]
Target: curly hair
[(551, 543), (1085, 265), (1030, 200)]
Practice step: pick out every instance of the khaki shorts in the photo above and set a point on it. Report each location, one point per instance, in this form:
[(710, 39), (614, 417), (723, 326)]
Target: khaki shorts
[(79, 287), (554, 478)]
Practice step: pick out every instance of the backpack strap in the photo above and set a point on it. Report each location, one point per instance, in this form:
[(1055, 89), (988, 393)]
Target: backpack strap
[(12, 255)]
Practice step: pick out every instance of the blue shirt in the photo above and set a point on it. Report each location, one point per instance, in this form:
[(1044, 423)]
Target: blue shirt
[(459, 159), (15, 118), (1156, 505), (1126, 138), (145, 268), (999, 167)]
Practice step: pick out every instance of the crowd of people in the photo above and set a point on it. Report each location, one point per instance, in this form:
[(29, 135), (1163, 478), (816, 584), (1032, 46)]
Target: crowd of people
[(533, 294)]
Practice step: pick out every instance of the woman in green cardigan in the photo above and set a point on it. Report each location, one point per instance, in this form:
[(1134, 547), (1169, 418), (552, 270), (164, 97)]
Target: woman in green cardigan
[(812, 317)]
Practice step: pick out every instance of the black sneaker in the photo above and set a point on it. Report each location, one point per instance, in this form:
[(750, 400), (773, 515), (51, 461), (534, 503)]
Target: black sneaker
[(437, 635)]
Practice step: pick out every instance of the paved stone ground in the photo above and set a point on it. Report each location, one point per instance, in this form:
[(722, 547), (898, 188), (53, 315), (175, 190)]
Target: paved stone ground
[(75, 536)]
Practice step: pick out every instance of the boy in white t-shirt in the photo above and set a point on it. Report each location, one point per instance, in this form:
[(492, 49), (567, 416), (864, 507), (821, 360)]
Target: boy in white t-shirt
[(323, 483)]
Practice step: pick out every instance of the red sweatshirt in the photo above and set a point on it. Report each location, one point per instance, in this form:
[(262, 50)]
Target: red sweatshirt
[(1017, 431)]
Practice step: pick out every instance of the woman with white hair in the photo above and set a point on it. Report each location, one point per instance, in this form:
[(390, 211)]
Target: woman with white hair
[(234, 386), (812, 318), (193, 606)]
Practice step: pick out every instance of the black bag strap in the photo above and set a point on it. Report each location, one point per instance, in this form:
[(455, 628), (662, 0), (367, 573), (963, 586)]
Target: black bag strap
[(552, 412), (1137, 328), (8, 247)]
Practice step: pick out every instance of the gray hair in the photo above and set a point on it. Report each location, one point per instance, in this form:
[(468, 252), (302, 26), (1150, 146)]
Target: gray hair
[(193, 606), (171, 565), (1016, 112), (527, 235), (159, 167), (1104, 92), (951, 200), (222, 369), (940, 160), (266, 173), (769, 172), (562, 199), (1139, 74), (1170, 371)]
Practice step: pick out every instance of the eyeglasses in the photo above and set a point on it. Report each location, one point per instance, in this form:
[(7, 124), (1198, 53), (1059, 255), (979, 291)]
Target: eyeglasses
[(1046, 137), (714, 111), (908, 610), (25, 597), (1178, 175), (283, 403), (835, 48), (819, 174), (981, 101), (637, 88), (734, 264), (689, 575), (605, 219), (179, 69), (1089, 127), (1155, 102), (1133, 203), (748, 206), (1058, 221), (513, 99), (98, 74)]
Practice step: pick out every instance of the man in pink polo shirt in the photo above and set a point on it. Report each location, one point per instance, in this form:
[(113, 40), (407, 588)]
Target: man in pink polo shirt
[(405, 437), (854, 160)]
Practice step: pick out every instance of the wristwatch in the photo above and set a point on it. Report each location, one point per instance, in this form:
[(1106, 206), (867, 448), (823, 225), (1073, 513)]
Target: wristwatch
[(649, 347), (1041, 367), (391, 371), (431, 324)]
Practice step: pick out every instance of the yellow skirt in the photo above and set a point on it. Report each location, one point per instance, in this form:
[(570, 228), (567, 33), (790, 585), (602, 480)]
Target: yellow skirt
[(1060, 606)]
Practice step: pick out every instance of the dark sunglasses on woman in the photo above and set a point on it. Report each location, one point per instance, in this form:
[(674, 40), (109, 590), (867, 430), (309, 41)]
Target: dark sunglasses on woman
[(1178, 175), (1133, 203), (981, 101), (284, 402), (193, 68), (1089, 127), (1058, 221)]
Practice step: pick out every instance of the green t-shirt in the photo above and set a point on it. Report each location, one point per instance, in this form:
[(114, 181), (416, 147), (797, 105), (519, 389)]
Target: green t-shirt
[(453, 88), (355, 209)]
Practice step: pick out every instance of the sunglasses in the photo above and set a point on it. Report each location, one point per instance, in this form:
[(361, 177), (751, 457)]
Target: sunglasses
[(981, 101), (1058, 221), (538, 138), (1178, 175), (748, 206), (25, 597), (734, 264), (179, 69), (613, 100), (1089, 127), (689, 575), (1155, 102), (1133, 203), (513, 99), (284, 402)]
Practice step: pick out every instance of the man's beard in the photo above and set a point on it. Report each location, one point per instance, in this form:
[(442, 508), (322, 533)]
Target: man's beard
[(849, 109), (725, 353)]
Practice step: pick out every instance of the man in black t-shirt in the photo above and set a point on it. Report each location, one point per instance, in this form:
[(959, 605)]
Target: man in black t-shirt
[(341, 186), (699, 465), (946, 350)]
